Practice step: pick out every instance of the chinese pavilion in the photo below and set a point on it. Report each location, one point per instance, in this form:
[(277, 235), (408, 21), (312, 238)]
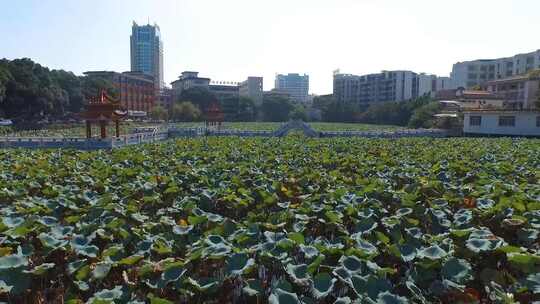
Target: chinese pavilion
[(102, 110), (213, 115)]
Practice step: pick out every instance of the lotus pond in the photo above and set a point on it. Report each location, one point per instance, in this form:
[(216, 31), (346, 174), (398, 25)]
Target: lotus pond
[(291, 220)]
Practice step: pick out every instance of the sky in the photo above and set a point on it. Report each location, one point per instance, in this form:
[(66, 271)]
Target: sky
[(229, 40)]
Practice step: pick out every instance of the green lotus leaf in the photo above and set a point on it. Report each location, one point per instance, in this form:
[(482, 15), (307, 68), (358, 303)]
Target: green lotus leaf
[(83, 286), (203, 284), (83, 273), (280, 296), (113, 253), (182, 230), (407, 252), (478, 245), (14, 279), (40, 269), (172, 274), (162, 246), (366, 225), (352, 264), (334, 217), (48, 221), (253, 287), (131, 260), (107, 295), (102, 270), (528, 236), (370, 285), (312, 268), (439, 203), (89, 251), (323, 284), (215, 218), (343, 274), (366, 246), (239, 263), (416, 292), (4, 288), (309, 252), (51, 242), (533, 283), (526, 262), (433, 252), (343, 300), (462, 218), (414, 232), (158, 300), (273, 237), (296, 237), (390, 298), (457, 270), (75, 265), (145, 246), (484, 204), (12, 222), (12, 261), (403, 212), (298, 273)]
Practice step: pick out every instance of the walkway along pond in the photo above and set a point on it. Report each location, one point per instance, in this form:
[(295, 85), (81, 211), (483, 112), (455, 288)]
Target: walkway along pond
[(149, 135)]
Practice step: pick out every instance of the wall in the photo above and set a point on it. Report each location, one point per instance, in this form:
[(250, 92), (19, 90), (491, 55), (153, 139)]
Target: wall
[(525, 123)]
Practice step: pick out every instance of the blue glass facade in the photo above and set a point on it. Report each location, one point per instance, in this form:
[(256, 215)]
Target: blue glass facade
[(147, 52)]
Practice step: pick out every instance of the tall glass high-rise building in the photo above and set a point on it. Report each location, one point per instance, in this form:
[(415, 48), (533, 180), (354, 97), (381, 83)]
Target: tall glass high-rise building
[(147, 52), (296, 85)]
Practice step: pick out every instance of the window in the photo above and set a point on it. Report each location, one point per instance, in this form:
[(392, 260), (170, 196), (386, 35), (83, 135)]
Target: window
[(538, 121), (507, 121), (475, 120)]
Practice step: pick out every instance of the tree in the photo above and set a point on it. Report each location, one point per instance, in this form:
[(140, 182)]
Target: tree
[(276, 108), (423, 117), (159, 113), (185, 111), (198, 96), (299, 113), (92, 86)]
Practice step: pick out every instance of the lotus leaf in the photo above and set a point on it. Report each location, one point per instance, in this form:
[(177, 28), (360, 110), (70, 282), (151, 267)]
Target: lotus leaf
[(433, 252), (323, 285), (283, 297), (239, 263), (298, 273), (457, 270)]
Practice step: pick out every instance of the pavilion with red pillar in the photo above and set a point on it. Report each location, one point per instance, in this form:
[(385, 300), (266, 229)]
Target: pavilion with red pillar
[(213, 115), (102, 110)]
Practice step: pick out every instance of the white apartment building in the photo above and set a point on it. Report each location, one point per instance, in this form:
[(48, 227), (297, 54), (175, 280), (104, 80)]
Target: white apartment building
[(468, 74), (387, 86), (252, 88)]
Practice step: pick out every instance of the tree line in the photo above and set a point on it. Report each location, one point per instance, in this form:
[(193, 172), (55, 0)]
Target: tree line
[(416, 113), (192, 103), (32, 92)]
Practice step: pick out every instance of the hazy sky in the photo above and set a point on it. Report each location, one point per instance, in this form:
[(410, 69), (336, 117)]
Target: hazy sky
[(233, 39)]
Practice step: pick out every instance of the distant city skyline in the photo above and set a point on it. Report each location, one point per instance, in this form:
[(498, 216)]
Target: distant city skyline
[(236, 39)]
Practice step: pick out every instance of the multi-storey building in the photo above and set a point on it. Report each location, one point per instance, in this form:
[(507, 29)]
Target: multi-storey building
[(385, 86), (136, 90), (224, 89), (147, 52), (188, 80), (295, 84), (518, 92), (252, 88), (165, 99), (477, 72)]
